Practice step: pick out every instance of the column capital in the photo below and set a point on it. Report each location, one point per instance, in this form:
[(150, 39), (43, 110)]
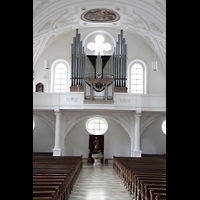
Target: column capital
[(137, 115), (58, 113)]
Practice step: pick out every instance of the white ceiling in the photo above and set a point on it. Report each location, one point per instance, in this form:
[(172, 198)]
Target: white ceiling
[(145, 19)]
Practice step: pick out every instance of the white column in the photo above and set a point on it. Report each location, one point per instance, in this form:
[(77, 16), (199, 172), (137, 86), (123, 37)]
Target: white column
[(132, 134), (137, 152), (57, 151)]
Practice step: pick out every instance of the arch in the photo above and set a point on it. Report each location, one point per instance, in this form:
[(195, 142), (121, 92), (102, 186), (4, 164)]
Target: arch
[(107, 41), (145, 125), (76, 121), (144, 66), (45, 120), (53, 66), (99, 32)]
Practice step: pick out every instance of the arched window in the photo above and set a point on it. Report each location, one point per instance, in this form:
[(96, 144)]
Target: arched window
[(60, 76), (99, 42), (137, 77), (33, 124), (99, 46), (163, 126), (60, 82)]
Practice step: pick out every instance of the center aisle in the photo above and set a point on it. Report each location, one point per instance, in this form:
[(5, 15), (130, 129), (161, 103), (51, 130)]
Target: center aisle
[(99, 183)]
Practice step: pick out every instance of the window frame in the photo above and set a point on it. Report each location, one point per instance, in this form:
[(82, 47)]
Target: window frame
[(53, 68), (164, 122), (144, 90), (33, 124), (99, 45), (92, 131), (62, 80), (108, 38)]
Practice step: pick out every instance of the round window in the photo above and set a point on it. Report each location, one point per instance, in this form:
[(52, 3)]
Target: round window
[(96, 125), (163, 126), (33, 124)]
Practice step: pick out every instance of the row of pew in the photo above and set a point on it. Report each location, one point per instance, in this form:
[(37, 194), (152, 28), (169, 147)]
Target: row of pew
[(54, 176), (144, 177)]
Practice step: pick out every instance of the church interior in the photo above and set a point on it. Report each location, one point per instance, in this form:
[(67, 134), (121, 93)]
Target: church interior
[(99, 89)]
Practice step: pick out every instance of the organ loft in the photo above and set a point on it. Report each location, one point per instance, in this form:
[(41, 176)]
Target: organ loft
[(98, 76)]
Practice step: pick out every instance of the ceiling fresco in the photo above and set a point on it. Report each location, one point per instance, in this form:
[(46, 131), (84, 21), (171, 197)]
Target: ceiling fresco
[(100, 15)]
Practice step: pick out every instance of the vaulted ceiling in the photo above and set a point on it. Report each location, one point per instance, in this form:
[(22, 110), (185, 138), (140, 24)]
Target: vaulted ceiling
[(145, 19)]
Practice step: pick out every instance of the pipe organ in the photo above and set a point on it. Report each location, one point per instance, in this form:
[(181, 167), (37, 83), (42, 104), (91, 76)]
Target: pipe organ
[(98, 76)]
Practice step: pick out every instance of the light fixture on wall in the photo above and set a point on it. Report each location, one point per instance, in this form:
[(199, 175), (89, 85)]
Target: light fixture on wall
[(154, 63), (46, 64)]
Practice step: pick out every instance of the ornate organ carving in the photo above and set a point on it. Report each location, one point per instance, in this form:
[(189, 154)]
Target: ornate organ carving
[(98, 76)]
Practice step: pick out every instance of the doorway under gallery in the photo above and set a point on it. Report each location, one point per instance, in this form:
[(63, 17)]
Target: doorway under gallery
[(93, 144)]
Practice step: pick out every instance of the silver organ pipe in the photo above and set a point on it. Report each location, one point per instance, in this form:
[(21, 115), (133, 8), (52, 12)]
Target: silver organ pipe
[(77, 61), (120, 56), (108, 69), (89, 69), (99, 67)]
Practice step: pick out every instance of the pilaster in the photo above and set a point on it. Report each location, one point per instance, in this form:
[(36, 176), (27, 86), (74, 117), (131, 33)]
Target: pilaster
[(137, 152), (57, 151)]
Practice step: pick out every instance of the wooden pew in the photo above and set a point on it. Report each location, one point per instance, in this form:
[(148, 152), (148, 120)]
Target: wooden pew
[(136, 173), (54, 177), (157, 195), (52, 194), (147, 187), (42, 154), (106, 160), (161, 196)]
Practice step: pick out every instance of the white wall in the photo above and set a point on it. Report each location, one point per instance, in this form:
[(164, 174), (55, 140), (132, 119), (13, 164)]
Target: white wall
[(153, 140), (43, 136), (137, 49), (116, 141)]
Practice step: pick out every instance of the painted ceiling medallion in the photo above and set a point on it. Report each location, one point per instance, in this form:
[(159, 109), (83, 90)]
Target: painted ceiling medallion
[(100, 15)]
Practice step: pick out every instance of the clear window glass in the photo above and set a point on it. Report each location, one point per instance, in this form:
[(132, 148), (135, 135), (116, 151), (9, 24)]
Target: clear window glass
[(99, 46), (60, 83), (137, 78), (96, 125), (163, 126), (33, 124)]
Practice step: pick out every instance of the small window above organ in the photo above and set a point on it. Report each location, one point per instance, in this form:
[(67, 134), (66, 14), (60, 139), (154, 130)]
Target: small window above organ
[(99, 46)]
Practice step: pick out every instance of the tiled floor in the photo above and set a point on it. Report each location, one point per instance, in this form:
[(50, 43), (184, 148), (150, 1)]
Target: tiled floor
[(99, 183)]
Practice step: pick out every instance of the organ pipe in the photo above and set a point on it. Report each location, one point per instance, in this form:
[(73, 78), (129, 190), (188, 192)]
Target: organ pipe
[(120, 56), (77, 61)]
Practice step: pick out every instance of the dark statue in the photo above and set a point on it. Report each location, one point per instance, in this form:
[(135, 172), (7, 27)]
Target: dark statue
[(96, 145)]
